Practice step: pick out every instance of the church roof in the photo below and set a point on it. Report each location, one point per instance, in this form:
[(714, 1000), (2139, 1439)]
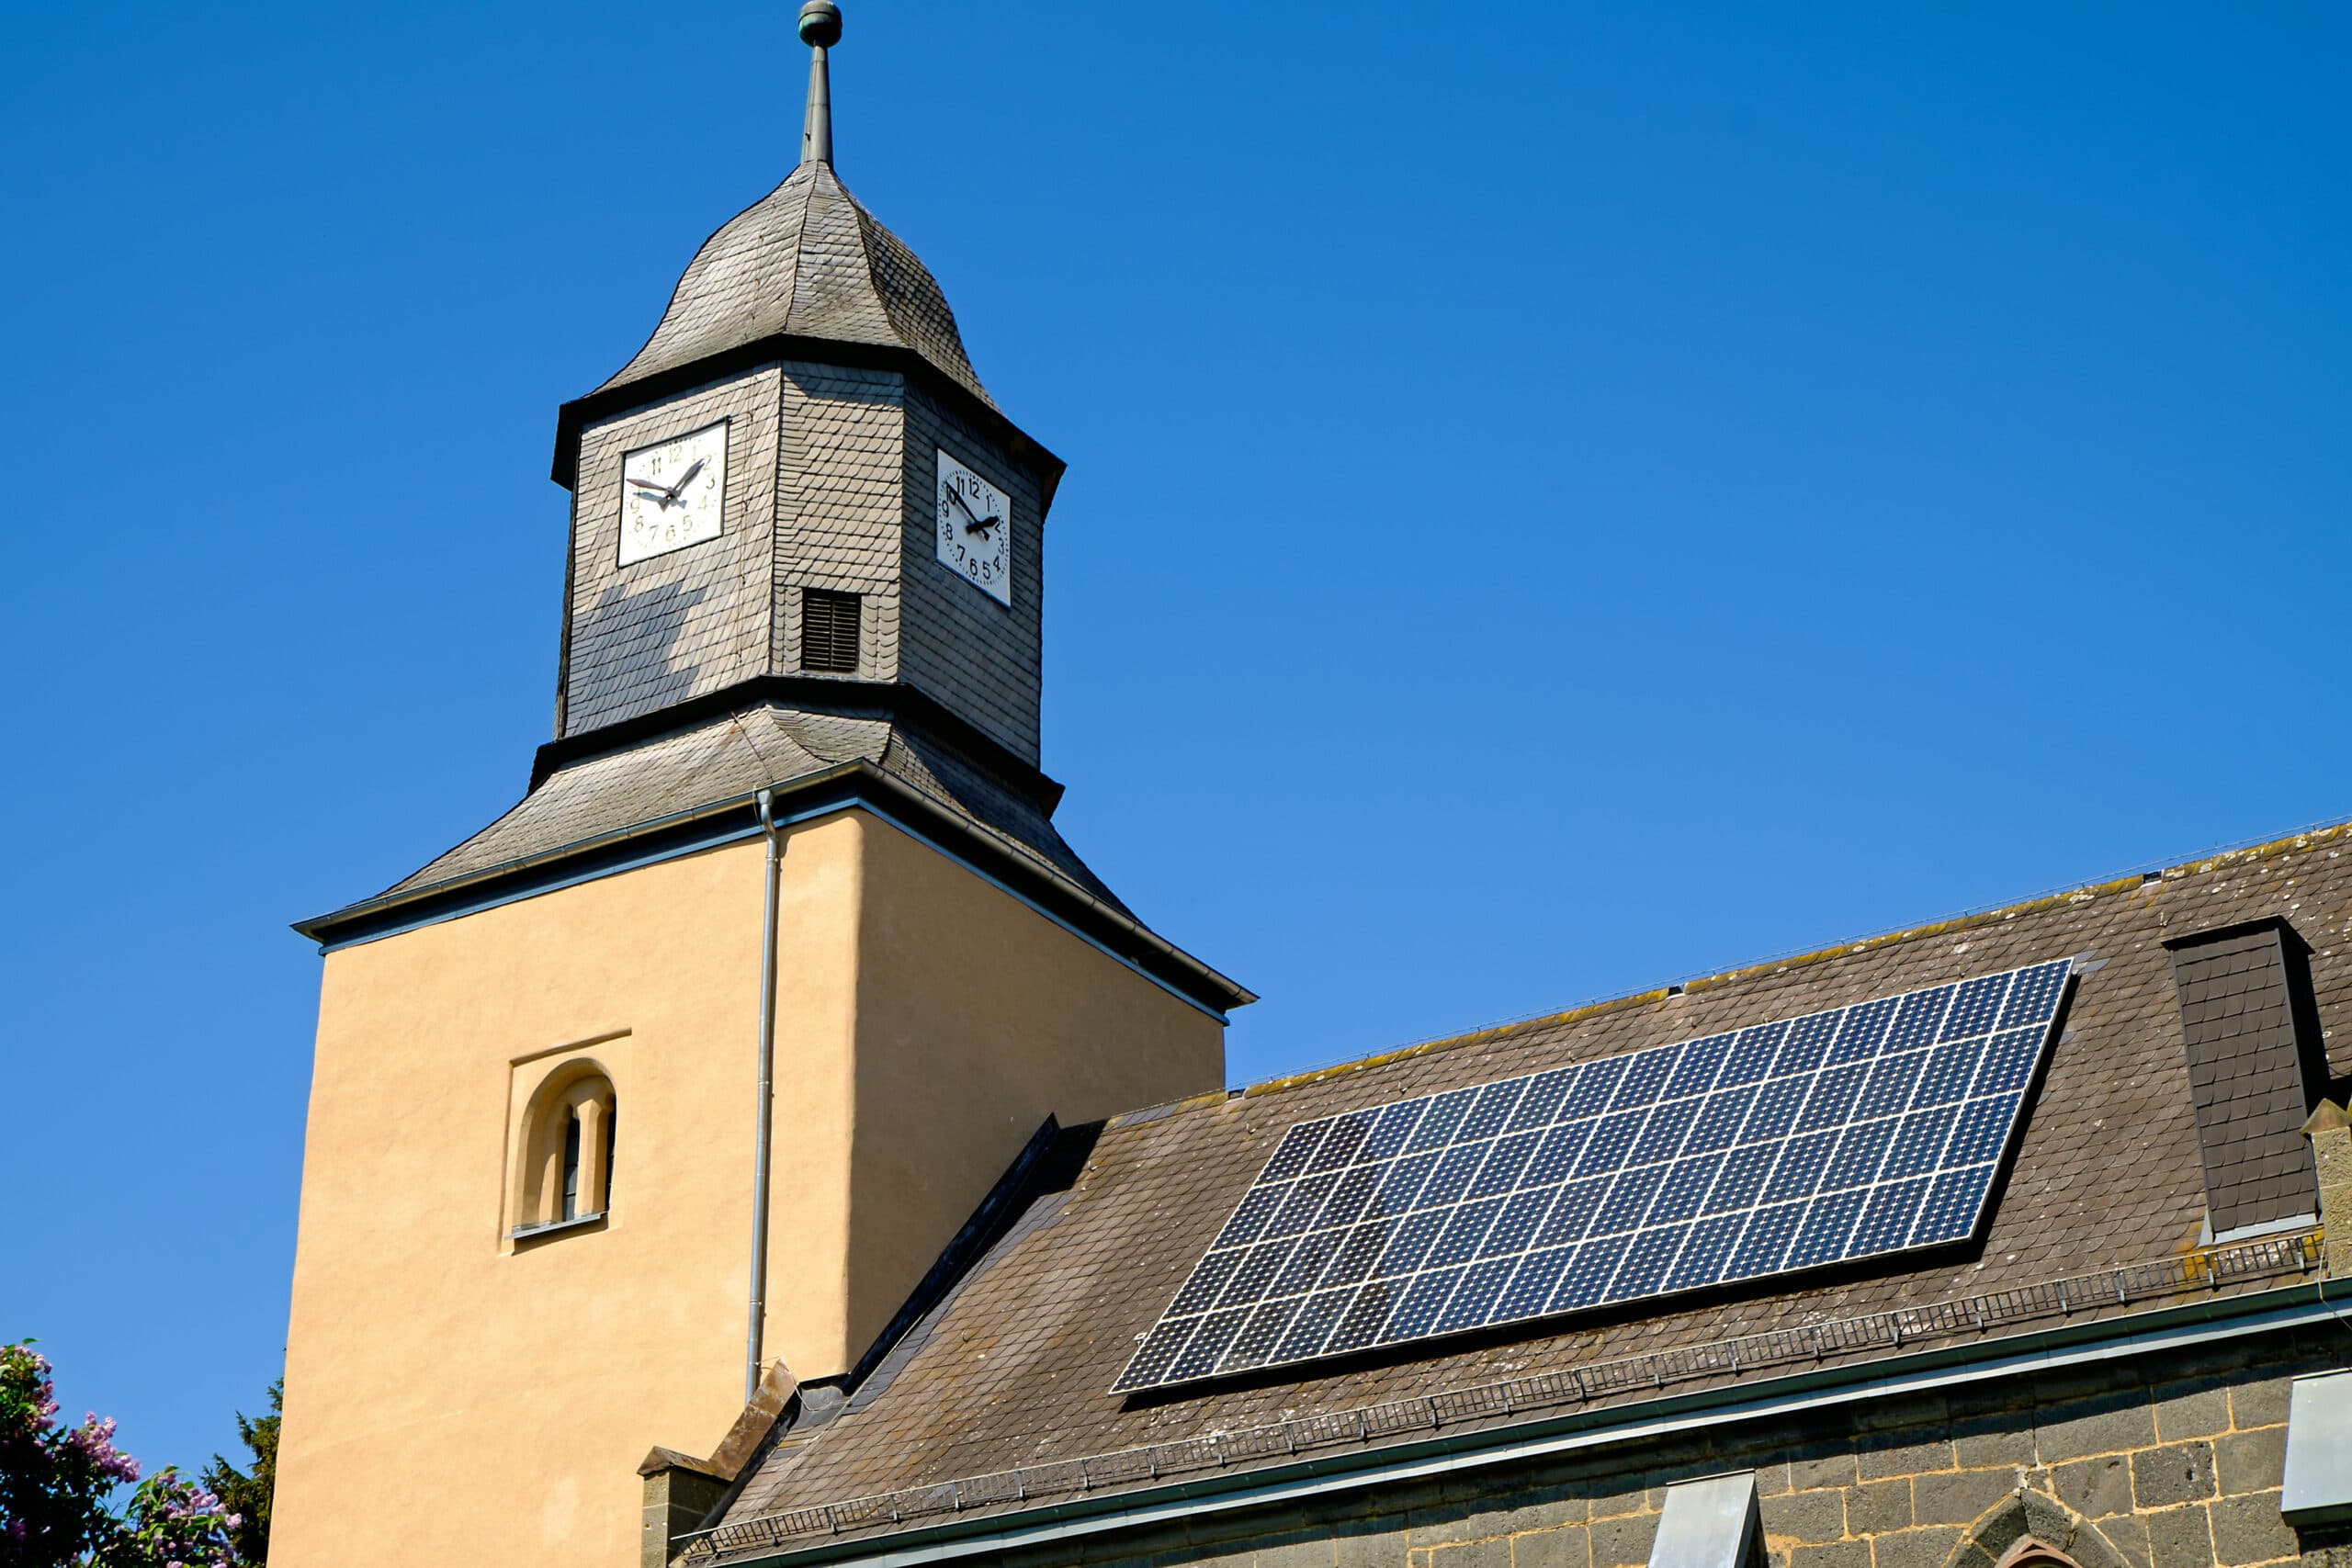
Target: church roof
[(999, 1400), (805, 261)]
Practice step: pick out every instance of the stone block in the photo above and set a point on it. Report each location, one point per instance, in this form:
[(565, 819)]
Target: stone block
[(1618, 1502), (1569, 1546), (2003, 1396), (1308, 1552), (1199, 1559), (2262, 1403), (1803, 1518), (1235, 1530), (1877, 1462), (1919, 1413), (2178, 1473), (2180, 1538), (1914, 1547), (1834, 1555), (2037, 1514), (2190, 1410), (1826, 1469), (1369, 1548), (1471, 1554), (1981, 1445), (1877, 1506), (2093, 1426), (2248, 1529), (2095, 1488), (1623, 1542), (1957, 1496), (1442, 1526), (2250, 1461), (2128, 1534)]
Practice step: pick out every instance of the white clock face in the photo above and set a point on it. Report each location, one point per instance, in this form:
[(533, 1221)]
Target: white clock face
[(975, 530), (672, 494)]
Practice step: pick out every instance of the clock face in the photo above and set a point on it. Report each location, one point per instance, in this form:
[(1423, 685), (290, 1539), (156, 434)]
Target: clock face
[(975, 530), (672, 494)]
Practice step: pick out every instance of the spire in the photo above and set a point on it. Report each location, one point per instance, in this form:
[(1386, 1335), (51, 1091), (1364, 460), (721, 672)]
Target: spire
[(820, 28)]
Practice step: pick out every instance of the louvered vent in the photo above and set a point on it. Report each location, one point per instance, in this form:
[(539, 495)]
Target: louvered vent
[(829, 627)]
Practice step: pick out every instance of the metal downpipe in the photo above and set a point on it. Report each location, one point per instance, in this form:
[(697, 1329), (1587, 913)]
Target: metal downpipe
[(766, 1109)]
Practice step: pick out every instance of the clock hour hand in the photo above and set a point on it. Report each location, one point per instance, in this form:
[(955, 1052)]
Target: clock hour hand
[(981, 525), (656, 487)]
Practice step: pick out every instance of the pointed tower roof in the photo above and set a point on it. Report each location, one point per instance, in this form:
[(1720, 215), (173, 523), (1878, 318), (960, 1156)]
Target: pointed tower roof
[(805, 261), (803, 270)]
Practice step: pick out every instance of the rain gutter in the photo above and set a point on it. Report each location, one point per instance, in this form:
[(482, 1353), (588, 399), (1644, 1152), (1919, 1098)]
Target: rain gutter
[(2167, 1329)]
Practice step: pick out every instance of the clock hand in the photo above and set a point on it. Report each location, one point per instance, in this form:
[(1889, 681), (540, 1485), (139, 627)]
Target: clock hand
[(981, 525), (958, 496), (688, 477), (656, 487)]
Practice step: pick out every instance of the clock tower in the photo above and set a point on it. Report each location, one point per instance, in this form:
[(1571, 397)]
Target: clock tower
[(696, 1060)]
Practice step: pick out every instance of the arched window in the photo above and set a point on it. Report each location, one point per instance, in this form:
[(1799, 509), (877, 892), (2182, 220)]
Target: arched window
[(568, 1155)]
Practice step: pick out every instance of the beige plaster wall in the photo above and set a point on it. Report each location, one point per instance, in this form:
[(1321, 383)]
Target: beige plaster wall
[(976, 1018), (450, 1398), (453, 1396)]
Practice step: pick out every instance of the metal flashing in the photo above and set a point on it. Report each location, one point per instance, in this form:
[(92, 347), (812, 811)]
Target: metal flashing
[(2318, 1487), (1708, 1523)]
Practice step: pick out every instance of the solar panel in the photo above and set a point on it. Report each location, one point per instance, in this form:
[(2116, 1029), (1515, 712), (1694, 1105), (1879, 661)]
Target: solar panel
[(1858, 1133)]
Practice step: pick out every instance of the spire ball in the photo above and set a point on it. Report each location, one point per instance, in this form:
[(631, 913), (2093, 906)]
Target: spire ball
[(821, 24)]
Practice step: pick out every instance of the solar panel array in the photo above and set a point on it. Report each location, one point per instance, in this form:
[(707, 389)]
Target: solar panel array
[(1864, 1131)]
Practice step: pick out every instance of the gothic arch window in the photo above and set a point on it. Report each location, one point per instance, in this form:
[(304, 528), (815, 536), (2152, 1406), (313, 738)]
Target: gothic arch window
[(565, 1173)]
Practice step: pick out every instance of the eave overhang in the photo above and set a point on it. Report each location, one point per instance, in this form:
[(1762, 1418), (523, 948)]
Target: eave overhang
[(576, 415), (852, 785), (2156, 1332)]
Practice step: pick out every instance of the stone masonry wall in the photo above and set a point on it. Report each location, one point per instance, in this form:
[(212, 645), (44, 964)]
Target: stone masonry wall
[(2133, 1466)]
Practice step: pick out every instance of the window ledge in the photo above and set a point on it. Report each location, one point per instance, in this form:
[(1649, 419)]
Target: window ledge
[(521, 1234)]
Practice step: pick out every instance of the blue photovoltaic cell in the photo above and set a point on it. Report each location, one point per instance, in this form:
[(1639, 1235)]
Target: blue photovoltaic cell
[(1586, 1280), (1852, 1133), (1475, 1297)]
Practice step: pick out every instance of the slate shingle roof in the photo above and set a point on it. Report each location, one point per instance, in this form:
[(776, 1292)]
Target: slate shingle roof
[(807, 261), (732, 756), (1013, 1370)]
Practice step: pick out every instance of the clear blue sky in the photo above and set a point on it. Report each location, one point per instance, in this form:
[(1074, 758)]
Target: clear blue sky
[(1561, 497)]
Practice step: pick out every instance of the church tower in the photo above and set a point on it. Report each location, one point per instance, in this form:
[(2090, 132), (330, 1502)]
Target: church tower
[(697, 1059)]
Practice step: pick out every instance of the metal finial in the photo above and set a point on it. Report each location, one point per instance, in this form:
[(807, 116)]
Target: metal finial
[(820, 28)]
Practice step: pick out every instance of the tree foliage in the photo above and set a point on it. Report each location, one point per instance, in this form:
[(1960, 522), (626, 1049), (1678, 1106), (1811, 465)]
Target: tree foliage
[(246, 1494), (57, 1485)]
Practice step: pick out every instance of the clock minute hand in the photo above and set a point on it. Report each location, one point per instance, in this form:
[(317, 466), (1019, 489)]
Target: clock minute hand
[(958, 497), (687, 478)]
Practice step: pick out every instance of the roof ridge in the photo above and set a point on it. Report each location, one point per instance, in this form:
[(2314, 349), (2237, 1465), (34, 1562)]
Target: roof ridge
[(1968, 919), (792, 252)]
